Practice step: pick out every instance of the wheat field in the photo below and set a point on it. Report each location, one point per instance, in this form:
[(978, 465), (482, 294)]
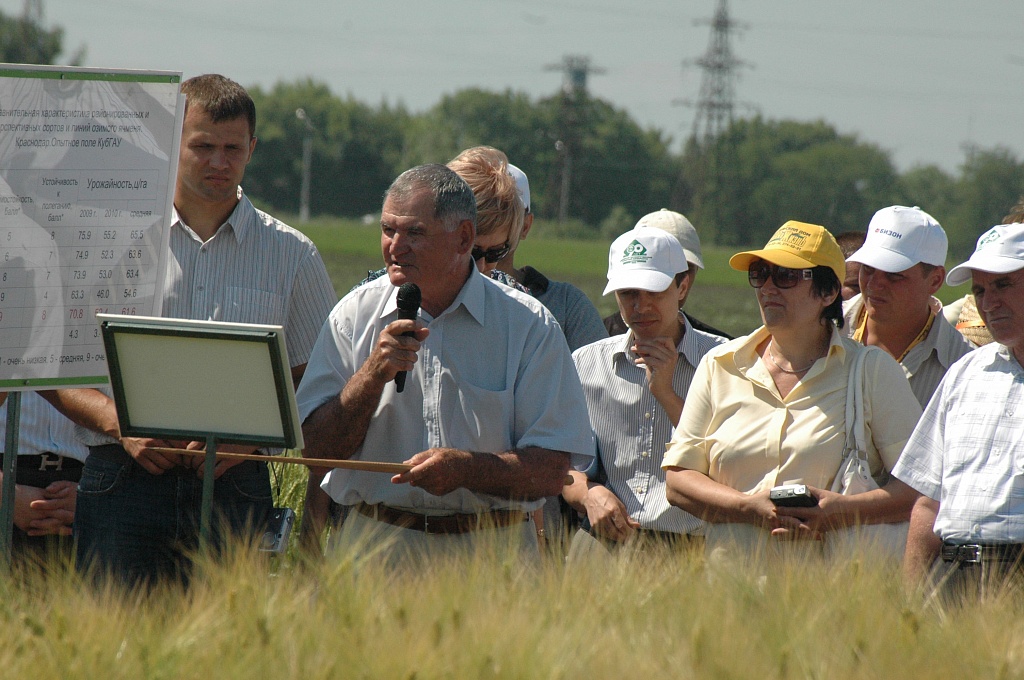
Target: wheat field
[(657, 614)]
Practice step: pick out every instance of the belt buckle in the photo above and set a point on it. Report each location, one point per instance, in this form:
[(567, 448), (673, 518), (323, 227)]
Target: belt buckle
[(971, 554), (57, 463)]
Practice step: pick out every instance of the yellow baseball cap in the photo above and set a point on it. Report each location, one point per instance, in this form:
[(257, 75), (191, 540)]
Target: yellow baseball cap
[(797, 245)]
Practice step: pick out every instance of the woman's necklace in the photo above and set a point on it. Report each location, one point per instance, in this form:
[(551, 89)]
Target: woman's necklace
[(790, 371)]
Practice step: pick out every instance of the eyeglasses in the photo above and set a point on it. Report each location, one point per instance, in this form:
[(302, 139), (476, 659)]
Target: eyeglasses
[(783, 277), (491, 255)]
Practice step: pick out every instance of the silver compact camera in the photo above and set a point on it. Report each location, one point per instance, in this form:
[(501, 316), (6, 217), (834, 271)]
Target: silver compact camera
[(279, 529), (792, 496)]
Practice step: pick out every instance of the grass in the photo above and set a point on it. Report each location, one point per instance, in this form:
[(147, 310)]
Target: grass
[(488, 615)]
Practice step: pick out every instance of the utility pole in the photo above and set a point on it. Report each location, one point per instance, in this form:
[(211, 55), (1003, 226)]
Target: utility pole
[(575, 70), (718, 83), (715, 107), (307, 164)]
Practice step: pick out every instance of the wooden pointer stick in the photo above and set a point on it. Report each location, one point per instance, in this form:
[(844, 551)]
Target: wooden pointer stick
[(363, 465)]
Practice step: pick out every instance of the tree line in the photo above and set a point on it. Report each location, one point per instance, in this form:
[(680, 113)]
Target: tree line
[(591, 164), (737, 188)]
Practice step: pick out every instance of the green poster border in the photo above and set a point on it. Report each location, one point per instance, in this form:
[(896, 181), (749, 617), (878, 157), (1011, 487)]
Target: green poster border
[(58, 73)]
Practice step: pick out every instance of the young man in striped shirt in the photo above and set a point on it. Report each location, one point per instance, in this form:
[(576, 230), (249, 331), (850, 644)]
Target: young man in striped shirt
[(138, 508), (635, 385)]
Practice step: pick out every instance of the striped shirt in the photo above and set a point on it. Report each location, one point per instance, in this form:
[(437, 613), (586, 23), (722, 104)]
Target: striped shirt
[(42, 429), (967, 451), (632, 429), (255, 269)]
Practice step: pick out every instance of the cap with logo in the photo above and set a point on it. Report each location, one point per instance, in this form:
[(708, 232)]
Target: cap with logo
[(900, 237), (680, 227), (1000, 250), (644, 259), (522, 184), (797, 245)]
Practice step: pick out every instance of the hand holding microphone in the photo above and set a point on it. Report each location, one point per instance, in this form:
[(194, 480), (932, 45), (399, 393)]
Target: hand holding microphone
[(408, 301)]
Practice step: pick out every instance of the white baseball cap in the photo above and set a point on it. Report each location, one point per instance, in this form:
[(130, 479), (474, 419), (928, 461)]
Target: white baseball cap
[(900, 237), (645, 259), (1000, 250), (522, 184), (680, 227)]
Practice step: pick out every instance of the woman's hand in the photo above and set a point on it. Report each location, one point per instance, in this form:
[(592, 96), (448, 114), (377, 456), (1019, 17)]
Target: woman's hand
[(814, 521)]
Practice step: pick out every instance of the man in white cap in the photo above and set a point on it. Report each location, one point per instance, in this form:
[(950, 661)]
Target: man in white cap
[(902, 266), (965, 456), (635, 385), (676, 224)]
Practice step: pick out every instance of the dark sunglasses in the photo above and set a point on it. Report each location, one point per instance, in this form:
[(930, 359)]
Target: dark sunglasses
[(783, 277), (491, 255)]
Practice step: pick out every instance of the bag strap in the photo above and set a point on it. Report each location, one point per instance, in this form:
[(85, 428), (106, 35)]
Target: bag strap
[(855, 404), (856, 435)]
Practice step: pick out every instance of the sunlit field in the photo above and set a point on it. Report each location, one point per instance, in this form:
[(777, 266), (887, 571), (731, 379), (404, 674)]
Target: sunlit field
[(489, 615)]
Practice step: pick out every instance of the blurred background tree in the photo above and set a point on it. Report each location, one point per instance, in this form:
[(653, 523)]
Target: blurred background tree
[(24, 39)]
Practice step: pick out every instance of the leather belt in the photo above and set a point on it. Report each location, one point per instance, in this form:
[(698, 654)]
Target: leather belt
[(975, 553), (442, 524), (44, 462)]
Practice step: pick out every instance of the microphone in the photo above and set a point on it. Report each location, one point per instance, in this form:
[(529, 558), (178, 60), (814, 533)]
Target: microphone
[(408, 300)]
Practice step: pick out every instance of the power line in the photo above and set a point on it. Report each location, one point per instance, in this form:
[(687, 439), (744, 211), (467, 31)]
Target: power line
[(575, 69)]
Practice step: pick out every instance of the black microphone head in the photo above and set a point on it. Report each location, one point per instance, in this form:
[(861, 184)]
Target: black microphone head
[(409, 297)]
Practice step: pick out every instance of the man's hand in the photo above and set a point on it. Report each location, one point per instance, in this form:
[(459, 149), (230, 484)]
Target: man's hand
[(437, 471), (198, 463), (153, 462), (658, 356), (38, 512), (395, 352), (607, 514)]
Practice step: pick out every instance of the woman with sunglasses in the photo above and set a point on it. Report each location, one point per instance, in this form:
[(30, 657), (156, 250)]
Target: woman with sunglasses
[(499, 209), (769, 409)]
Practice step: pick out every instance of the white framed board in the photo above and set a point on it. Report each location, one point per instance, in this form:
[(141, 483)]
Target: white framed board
[(87, 169), (227, 380)]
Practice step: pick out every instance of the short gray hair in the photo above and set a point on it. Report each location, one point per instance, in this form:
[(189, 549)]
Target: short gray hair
[(453, 199)]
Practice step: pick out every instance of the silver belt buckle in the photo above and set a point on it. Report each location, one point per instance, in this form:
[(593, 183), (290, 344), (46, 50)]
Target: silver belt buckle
[(56, 462), (970, 554)]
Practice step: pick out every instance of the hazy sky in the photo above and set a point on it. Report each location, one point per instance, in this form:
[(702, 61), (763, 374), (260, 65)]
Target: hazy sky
[(920, 78)]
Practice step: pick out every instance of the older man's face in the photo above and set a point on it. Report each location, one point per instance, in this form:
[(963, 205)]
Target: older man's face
[(416, 247), (1000, 300)]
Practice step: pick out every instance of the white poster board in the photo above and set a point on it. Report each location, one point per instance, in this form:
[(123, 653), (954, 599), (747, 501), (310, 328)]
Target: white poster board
[(87, 168), (184, 379)]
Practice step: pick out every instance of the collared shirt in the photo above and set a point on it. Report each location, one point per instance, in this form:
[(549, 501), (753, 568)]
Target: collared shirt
[(737, 429), (493, 375), (42, 429), (968, 451), (631, 426), (928, 360), (255, 269)]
